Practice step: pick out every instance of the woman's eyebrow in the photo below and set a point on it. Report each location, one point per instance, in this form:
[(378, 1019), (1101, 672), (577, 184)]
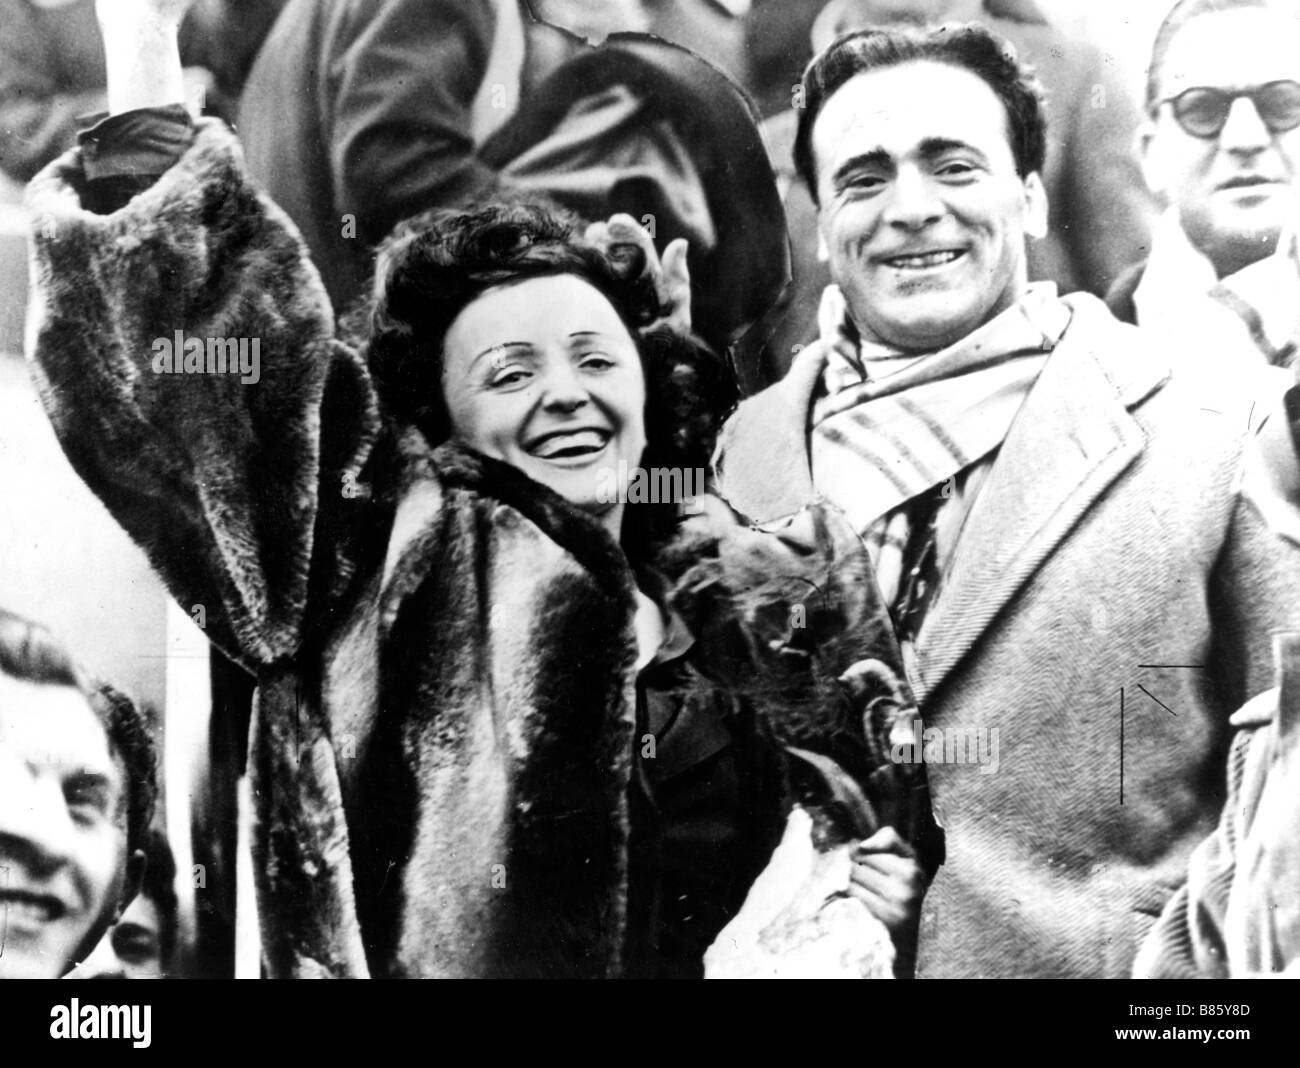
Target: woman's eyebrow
[(585, 335), (503, 346)]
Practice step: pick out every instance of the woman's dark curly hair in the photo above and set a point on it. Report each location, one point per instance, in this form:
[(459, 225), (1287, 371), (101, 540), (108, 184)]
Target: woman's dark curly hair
[(436, 264)]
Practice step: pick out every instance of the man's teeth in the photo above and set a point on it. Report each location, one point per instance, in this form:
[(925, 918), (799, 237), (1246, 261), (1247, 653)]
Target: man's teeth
[(579, 441), (930, 259)]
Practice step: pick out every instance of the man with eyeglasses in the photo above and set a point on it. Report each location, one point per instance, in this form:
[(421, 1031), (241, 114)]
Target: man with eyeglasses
[(1220, 147)]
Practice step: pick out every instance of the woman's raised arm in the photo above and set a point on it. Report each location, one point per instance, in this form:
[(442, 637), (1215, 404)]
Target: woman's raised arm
[(142, 53), (185, 351)]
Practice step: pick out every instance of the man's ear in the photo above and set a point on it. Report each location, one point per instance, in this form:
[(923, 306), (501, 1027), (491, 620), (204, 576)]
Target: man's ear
[(131, 882), (1149, 159), (1035, 207)]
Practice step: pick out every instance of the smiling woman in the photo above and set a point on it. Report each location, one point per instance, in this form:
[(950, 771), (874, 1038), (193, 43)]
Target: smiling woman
[(520, 729), (562, 407), (504, 726), (497, 327)]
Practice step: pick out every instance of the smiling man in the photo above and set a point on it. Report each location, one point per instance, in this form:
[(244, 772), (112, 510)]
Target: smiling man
[(1071, 539), (1220, 146), (76, 791)]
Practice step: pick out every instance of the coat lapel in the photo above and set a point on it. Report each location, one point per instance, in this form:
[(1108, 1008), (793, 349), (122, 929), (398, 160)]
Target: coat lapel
[(1072, 439)]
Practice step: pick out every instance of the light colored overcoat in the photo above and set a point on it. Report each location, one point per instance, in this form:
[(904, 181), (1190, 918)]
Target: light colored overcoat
[(1109, 604)]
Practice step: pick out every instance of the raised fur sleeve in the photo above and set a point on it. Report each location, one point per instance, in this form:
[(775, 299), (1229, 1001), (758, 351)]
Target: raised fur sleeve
[(244, 485)]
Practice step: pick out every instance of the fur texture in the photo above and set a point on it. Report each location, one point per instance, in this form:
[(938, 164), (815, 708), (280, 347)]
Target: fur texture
[(443, 745)]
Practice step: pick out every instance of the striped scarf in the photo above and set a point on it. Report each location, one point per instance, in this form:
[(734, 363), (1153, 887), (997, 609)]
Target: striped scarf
[(888, 427)]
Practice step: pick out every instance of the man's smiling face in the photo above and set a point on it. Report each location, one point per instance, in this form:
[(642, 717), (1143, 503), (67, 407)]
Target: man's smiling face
[(63, 815), (922, 213)]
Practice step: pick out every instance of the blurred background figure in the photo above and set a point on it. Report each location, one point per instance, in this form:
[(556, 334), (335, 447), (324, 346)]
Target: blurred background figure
[(142, 943), (1101, 212), (361, 113), (713, 29), (52, 69), (1220, 148), (778, 43)]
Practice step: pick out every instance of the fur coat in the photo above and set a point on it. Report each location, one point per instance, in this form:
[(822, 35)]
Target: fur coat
[(443, 735)]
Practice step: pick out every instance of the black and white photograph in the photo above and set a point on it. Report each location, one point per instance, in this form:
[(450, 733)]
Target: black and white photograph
[(651, 489)]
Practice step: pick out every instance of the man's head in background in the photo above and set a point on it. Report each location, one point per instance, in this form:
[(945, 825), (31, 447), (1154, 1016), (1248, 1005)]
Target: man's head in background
[(142, 943), (1222, 140), (77, 789), (924, 154)]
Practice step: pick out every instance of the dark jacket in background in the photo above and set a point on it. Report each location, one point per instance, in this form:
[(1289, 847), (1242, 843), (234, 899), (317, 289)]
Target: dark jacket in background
[(361, 113)]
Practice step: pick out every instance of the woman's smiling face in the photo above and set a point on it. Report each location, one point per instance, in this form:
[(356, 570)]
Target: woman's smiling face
[(543, 375)]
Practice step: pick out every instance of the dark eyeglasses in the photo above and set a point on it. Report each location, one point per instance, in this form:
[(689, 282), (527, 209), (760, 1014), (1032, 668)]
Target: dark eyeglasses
[(1203, 112)]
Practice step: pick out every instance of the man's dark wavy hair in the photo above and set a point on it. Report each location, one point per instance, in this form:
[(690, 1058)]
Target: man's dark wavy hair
[(967, 47), (434, 265), (30, 653)]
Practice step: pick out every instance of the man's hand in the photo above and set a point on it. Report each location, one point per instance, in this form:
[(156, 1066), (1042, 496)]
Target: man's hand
[(888, 880), (671, 275)]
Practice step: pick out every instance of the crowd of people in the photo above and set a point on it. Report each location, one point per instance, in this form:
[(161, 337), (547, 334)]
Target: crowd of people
[(655, 520)]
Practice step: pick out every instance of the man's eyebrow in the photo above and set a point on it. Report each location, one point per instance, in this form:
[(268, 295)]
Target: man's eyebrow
[(877, 157), (937, 146)]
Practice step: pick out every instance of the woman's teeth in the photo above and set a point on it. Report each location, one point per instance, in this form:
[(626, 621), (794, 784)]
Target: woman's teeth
[(578, 443), (929, 259)]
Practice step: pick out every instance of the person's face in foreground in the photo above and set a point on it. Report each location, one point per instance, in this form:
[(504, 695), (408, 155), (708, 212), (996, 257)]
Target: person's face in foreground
[(543, 374), (922, 215), (1234, 191), (131, 948), (62, 829)]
